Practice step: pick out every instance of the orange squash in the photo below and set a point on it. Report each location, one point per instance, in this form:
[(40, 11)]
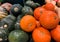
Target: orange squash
[(49, 20), (28, 23), (41, 35), (38, 11)]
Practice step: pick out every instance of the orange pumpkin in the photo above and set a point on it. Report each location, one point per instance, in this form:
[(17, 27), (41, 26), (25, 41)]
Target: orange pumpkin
[(28, 23), (38, 11), (49, 6), (41, 35), (49, 20), (56, 33)]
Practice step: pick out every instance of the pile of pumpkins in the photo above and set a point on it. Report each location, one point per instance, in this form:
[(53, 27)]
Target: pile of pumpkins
[(29, 23)]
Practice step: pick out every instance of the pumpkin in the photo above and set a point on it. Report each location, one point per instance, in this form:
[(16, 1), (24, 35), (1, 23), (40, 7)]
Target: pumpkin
[(32, 4), (49, 6), (56, 33), (3, 35), (49, 20), (41, 35), (3, 10), (16, 9), (38, 12), (28, 23), (17, 24), (27, 10), (7, 6), (8, 22), (2, 15), (18, 36)]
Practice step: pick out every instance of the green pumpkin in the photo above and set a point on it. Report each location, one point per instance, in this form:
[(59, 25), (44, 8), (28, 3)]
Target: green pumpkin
[(3, 35), (17, 24), (27, 10), (16, 9), (8, 22), (32, 4), (18, 36)]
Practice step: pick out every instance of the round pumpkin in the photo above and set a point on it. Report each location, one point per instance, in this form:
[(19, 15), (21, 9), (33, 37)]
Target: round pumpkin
[(27, 10), (3, 15), (16, 9), (56, 33), (41, 35), (3, 10), (49, 20), (49, 6), (17, 24), (3, 35), (18, 36), (28, 23), (38, 11), (8, 22), (32, 4), (7, 6)]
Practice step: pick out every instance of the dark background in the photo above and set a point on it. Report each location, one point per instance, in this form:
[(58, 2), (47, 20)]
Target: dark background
[(41, 2)]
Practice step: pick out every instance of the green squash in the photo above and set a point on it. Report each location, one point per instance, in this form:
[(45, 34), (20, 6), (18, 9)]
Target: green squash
[(27, 10), (32, 4), (16, 9), (17, 24), (18, 36), (3, 35), (8, 22)]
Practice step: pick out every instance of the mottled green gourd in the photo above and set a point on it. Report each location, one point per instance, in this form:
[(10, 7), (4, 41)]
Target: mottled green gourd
[(32, 4), (27, 10), (17, 24), (3, 35), (18, 36), (8, 22), (16, 9)]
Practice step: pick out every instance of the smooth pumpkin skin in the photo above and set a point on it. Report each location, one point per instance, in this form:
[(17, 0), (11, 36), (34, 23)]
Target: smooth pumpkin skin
[(56, 33), (38, 12), (49, 20), (49, 6), (18, 36), (41, 35), (28, 23)]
